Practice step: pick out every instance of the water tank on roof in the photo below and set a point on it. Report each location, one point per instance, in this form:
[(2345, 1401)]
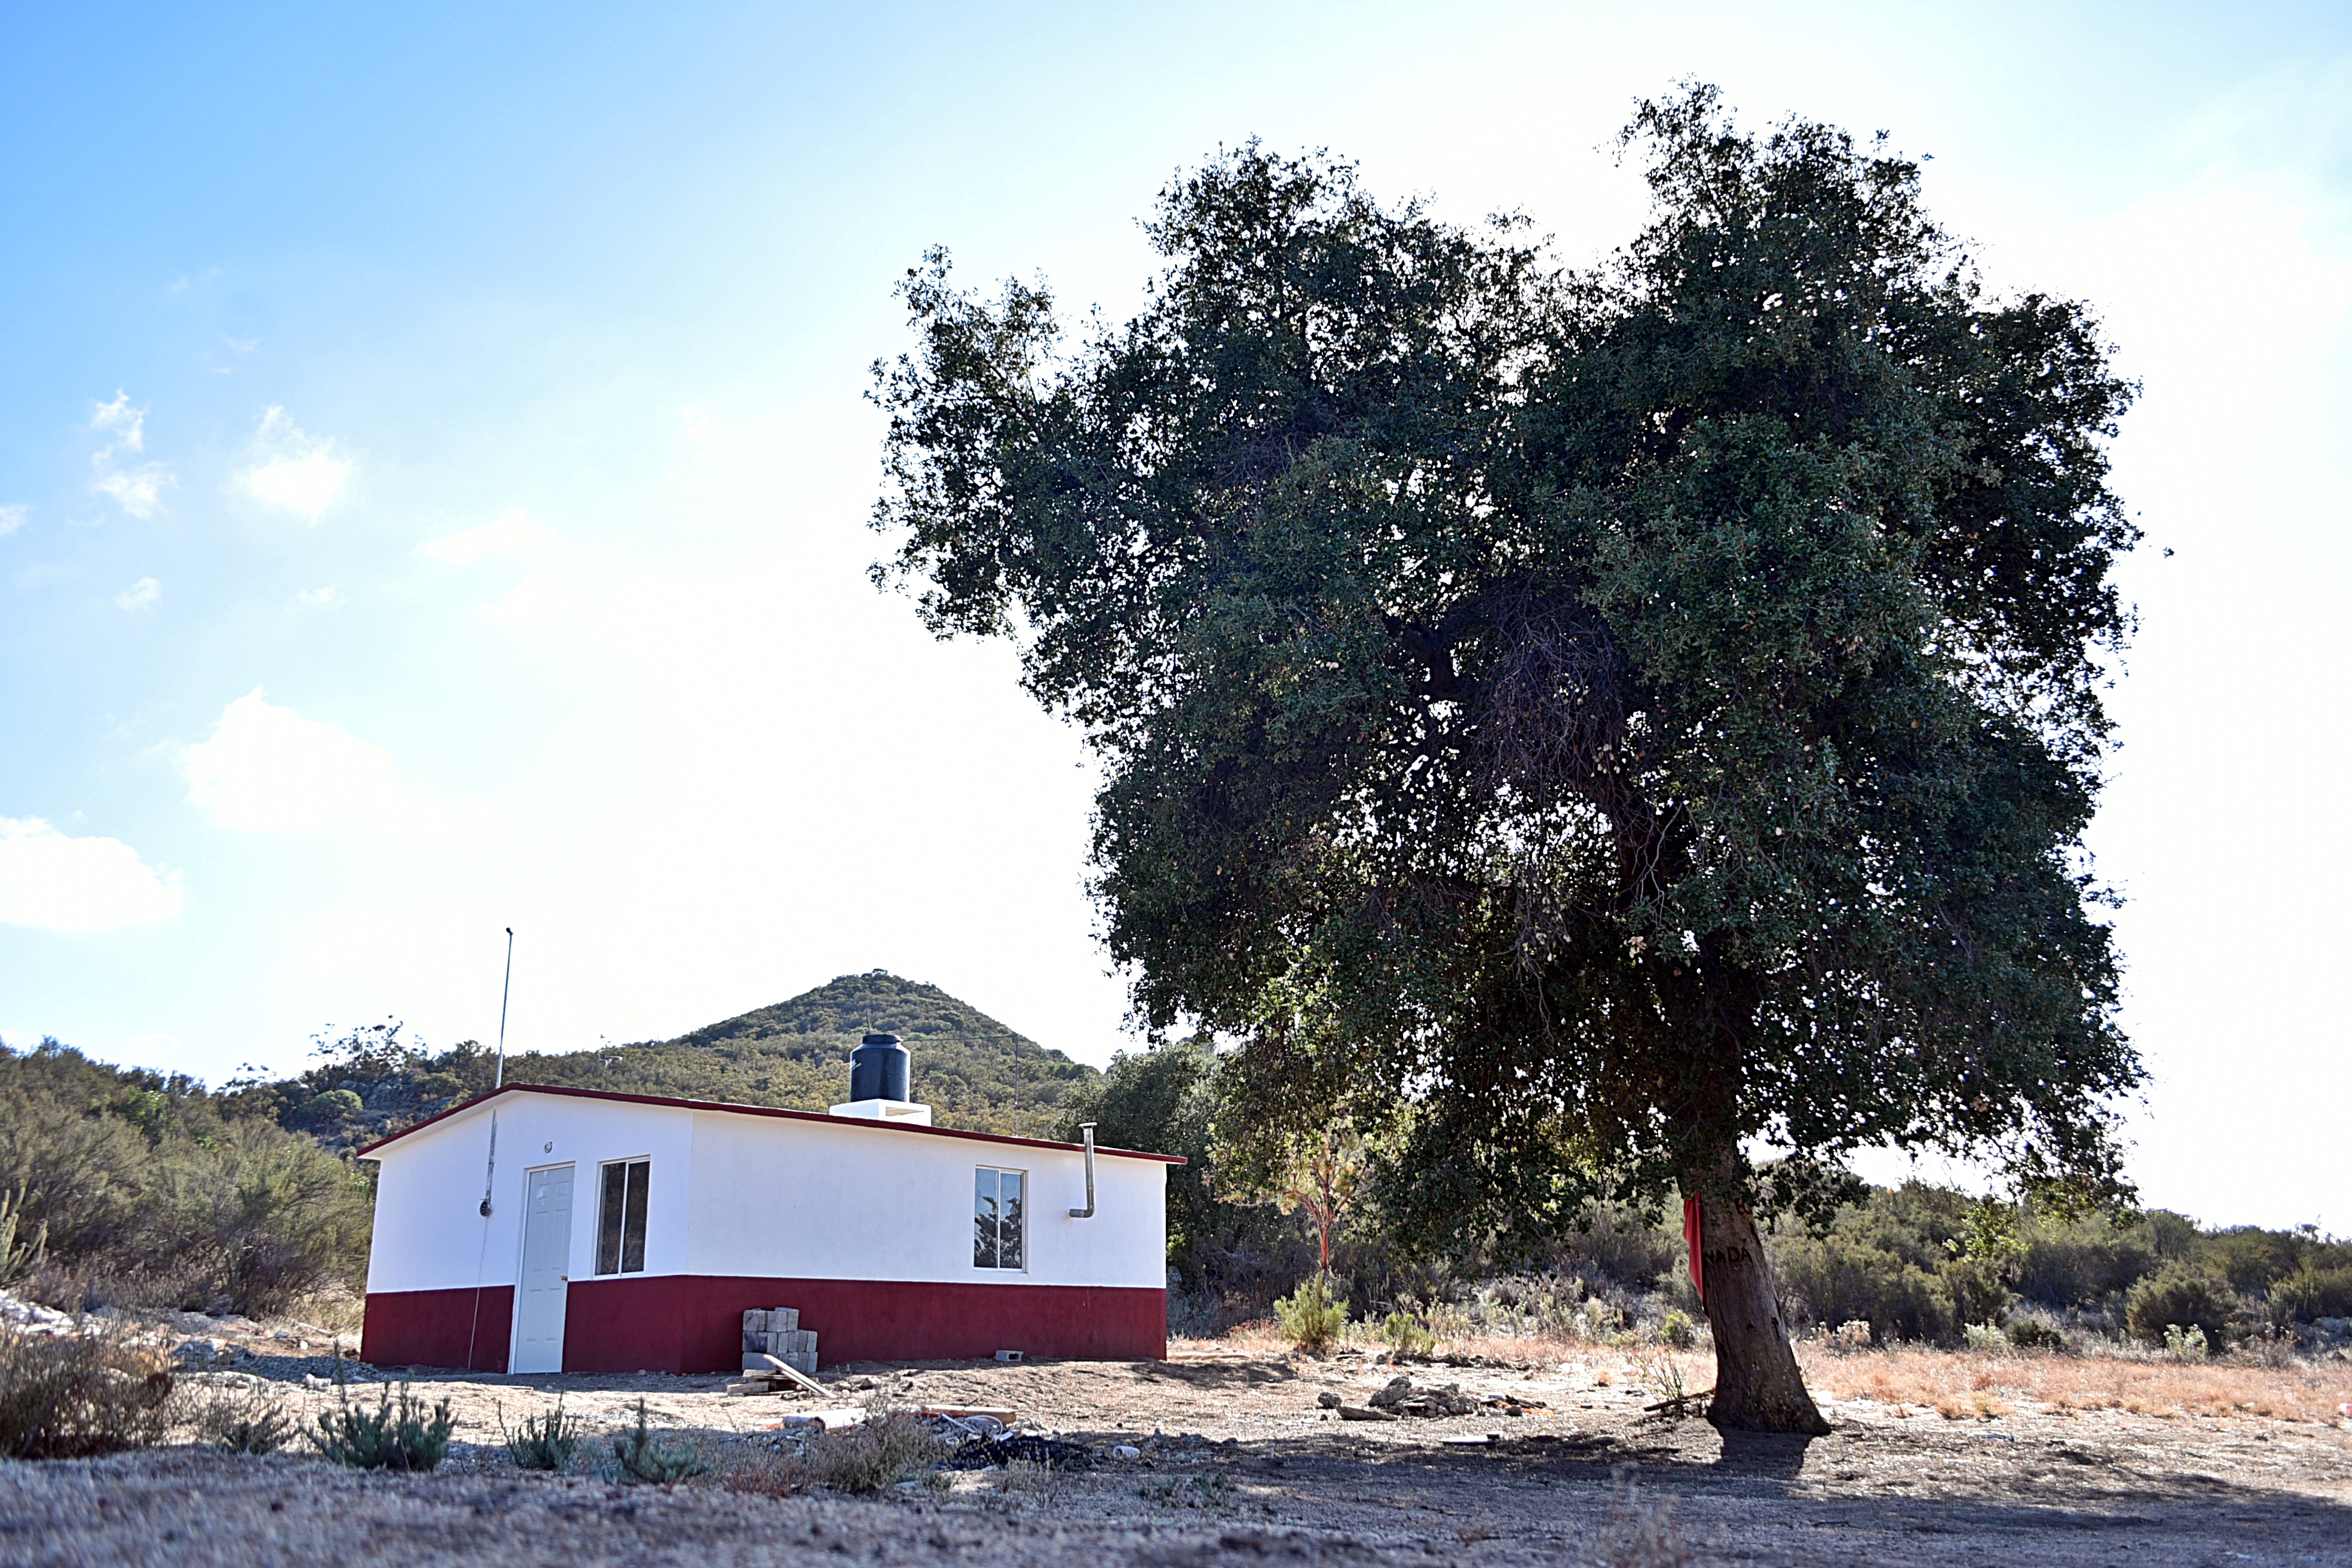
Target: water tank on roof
[(879, 1069)]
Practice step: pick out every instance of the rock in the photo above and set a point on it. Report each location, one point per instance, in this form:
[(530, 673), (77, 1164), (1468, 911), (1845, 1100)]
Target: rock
[(1403, 1398), (1124, 1451), (1359, 1413), (1328, 1400)]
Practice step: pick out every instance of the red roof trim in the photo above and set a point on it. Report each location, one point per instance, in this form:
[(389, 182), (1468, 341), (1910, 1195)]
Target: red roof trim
[(770, 1111)]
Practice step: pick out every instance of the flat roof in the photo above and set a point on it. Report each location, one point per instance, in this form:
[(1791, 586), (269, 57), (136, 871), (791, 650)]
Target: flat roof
[(855, 1122)]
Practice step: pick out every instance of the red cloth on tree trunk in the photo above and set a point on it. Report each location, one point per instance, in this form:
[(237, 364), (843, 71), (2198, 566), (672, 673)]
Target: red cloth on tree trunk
[(1690, 1236)]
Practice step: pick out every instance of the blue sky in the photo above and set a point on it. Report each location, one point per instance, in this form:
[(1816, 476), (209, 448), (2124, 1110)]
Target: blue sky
[(434, 472)]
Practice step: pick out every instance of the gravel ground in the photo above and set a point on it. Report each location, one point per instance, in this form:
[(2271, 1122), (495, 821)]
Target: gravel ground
[(1238, 1463)]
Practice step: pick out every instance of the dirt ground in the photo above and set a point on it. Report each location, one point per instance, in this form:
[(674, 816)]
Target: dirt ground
[(1953, 1460)]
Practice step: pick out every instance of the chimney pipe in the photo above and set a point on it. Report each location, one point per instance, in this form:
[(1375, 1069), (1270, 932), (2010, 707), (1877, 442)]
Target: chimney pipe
[(1088, 1130)]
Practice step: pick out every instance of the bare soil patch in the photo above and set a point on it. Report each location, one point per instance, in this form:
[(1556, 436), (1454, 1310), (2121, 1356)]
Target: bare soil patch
[(1936, 1457)]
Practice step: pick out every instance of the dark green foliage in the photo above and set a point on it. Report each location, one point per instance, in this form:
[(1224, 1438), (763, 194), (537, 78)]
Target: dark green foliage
[(151, 1190), (1166, 1100), (543, 1442), (2090, 1261), (1568, 724), (2033, 1334), (324, 1110), (1919, 1261), (2183, 1298), (397, 1434), (2311, 1293), (70, 1397), (245, 1421), (973, 1071), (643, 1459), (1832, 1280)]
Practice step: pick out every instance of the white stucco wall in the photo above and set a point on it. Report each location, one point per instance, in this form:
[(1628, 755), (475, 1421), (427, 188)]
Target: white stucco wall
[(429, 1231), (850, 1200), (740, 1194)]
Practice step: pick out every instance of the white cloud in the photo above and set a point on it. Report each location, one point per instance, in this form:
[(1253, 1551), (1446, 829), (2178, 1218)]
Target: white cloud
[(293, 470), (137, 489), (119, 414), (512, 532), (12, 518), (312, 598), (269, 770), (140, 596), (60, 883)]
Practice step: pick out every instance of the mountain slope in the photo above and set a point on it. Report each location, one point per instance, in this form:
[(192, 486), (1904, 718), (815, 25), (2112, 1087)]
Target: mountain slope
[(971, 1070)]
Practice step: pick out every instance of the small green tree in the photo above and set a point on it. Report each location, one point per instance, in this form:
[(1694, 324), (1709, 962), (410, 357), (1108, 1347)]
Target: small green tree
[(1319, 1180)]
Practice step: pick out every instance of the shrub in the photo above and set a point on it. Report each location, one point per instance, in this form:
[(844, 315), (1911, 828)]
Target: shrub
[(1835, 1280), (400, 1436), (642, 1459), (79, 1394), (244, 1421), (14, 1258), (2184, 1344), (2312, 1293), (1677, 1330), (2033, 1334), (1404, 1336), (325, 1109), (1986, 1337), (2181, 1298), (543, 1442), (1615, 1242), (769, 1472), (2087, 1262), (874, 1456), (1310, 1316)]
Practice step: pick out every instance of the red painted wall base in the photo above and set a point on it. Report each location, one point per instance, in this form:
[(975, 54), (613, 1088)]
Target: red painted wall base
[(674, 1322), (465, 1328)]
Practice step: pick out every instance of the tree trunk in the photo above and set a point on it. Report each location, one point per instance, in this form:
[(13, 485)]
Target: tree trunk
[(1757, 1385)]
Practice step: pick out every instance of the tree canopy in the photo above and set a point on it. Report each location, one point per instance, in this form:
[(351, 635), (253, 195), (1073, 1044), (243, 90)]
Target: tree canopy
[(1576, 722)]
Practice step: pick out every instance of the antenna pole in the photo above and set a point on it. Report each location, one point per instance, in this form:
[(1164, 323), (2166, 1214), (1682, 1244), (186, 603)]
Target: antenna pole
[(490, 1168), (505, 989)]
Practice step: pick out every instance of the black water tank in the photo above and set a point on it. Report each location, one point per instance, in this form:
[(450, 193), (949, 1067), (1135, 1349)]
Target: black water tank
[(878, 1069)]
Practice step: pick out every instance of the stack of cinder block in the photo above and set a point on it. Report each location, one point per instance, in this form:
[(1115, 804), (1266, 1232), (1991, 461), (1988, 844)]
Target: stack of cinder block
[(775, 1335)]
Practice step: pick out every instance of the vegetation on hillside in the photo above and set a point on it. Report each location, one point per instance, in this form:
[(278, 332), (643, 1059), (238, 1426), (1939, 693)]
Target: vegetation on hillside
[(972, 1070), (1916, 1262), (127, 1185), (130, 1186)]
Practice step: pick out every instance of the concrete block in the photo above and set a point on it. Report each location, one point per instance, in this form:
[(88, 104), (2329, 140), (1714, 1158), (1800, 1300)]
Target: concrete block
[(783, 1320), (760, 1360)]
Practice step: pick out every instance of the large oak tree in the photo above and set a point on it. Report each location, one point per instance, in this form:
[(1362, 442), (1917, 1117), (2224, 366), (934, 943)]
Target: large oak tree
[(1584, 726)]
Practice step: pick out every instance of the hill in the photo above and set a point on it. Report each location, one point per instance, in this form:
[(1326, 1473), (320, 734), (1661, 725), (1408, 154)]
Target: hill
[(972, 1071)]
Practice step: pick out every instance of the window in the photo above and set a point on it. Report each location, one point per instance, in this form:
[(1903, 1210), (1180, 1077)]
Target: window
[(997, 1219), (621, 1221)]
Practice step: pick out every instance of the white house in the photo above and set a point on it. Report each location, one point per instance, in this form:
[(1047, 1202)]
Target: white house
[(627, 1232)]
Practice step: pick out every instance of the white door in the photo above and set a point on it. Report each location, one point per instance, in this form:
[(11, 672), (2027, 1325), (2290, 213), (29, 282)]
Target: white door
[(546, 1271)]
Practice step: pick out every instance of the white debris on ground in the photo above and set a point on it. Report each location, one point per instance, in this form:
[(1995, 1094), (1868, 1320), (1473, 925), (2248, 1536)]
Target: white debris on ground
[(31, 1315)]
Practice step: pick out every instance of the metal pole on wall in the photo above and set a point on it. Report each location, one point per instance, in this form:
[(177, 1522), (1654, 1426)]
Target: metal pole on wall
[(505, 989), (490, 1171)]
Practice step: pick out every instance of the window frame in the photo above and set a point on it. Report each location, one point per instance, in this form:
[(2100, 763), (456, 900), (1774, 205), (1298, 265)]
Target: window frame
[(1020, 1220), (642, 1192)]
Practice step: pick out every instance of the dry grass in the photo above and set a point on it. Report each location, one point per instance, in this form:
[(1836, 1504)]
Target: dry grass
[(1967, 1385), (91, 1393), (879, 1452), (768, 1472), (1960, 1385)]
